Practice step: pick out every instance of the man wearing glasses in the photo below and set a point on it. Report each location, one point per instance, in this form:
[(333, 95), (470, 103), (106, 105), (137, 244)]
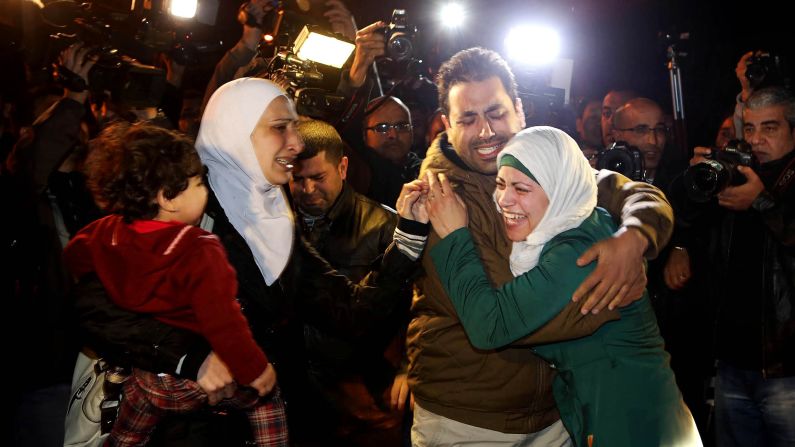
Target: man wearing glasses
[(388, 136), (641, 123)]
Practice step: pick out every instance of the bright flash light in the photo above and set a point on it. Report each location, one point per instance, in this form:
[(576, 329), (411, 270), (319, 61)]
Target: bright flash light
[(313, 46), (183, 8), (452, 15), (532, 45)]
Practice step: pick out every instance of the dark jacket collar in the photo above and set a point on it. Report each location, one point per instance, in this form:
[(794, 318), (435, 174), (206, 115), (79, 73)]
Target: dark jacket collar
[(442, 157), (449, 151), (343, 205)]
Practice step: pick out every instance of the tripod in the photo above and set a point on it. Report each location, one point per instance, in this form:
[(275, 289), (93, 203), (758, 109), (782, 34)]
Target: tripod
[(675, 74)]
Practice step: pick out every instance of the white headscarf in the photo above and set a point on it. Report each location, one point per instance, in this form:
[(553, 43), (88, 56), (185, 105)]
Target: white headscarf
[(560, 168), (256, 208)]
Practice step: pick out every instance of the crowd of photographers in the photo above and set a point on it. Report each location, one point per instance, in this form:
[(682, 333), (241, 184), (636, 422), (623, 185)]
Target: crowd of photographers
[(723, 287)]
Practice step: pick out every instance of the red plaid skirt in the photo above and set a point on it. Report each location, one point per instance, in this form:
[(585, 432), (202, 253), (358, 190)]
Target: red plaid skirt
[(149, 397)]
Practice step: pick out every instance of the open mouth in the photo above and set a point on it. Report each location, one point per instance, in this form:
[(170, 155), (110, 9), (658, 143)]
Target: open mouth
[(513, 218), (491, 151), (287, 163)]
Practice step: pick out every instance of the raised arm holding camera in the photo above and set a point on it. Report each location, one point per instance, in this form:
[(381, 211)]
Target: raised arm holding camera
[(755, 70)]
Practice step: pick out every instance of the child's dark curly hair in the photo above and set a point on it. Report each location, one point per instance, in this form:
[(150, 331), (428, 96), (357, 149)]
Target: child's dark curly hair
[(128, 164)]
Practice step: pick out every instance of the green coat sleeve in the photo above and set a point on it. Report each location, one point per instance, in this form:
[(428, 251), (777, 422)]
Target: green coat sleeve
[(495, 317)]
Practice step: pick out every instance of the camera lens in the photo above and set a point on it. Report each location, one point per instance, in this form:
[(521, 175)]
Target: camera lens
[(756, 73), (706, 179), (400, 47), (616, 161)]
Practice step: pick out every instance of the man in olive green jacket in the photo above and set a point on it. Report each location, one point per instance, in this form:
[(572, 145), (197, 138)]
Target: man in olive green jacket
[(504, 397)]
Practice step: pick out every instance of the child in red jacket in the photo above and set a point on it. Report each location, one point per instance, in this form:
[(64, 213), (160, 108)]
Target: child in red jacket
[(151, 258)]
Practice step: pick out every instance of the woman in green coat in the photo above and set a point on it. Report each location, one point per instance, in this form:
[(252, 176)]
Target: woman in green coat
[(614, 387)]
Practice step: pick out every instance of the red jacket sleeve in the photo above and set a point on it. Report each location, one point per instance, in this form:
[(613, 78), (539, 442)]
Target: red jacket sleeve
[(212, 287)]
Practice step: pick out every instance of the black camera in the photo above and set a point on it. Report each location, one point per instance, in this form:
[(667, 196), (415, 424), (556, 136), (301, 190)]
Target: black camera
[(708, 178), (399, 37), (764, 69), (318, 103), (622, 158)]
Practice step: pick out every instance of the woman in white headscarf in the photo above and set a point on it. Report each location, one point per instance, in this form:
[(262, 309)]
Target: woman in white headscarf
[(249, 142), (614, 387)]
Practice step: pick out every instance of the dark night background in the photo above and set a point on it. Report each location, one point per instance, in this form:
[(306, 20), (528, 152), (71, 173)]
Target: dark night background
[(614, 43)]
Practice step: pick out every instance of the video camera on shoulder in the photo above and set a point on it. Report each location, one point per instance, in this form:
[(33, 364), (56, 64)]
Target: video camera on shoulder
[(622, 158), (297, 65), (126, 37), (708, 178)]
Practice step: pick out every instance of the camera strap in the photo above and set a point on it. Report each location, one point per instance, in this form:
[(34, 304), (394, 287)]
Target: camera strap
[(785, 178)]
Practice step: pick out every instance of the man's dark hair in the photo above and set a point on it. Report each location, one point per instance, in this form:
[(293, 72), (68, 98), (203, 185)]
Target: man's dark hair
[(320, 136), (473, 65), (774, 96), (128, 164), (583, 102)]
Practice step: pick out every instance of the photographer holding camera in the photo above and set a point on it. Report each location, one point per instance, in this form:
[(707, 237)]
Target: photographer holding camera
[(755, 70), (749, 230), (760, 73)]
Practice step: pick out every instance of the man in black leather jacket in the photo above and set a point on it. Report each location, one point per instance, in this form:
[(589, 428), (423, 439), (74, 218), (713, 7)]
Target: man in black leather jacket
[(352, 232), (750, 232)]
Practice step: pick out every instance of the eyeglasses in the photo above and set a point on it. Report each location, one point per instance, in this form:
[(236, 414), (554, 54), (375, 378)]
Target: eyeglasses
[(642, 131), (383, 128)]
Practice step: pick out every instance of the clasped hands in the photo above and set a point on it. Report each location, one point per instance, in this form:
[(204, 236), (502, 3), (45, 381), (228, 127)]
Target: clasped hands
[(432, 199)]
